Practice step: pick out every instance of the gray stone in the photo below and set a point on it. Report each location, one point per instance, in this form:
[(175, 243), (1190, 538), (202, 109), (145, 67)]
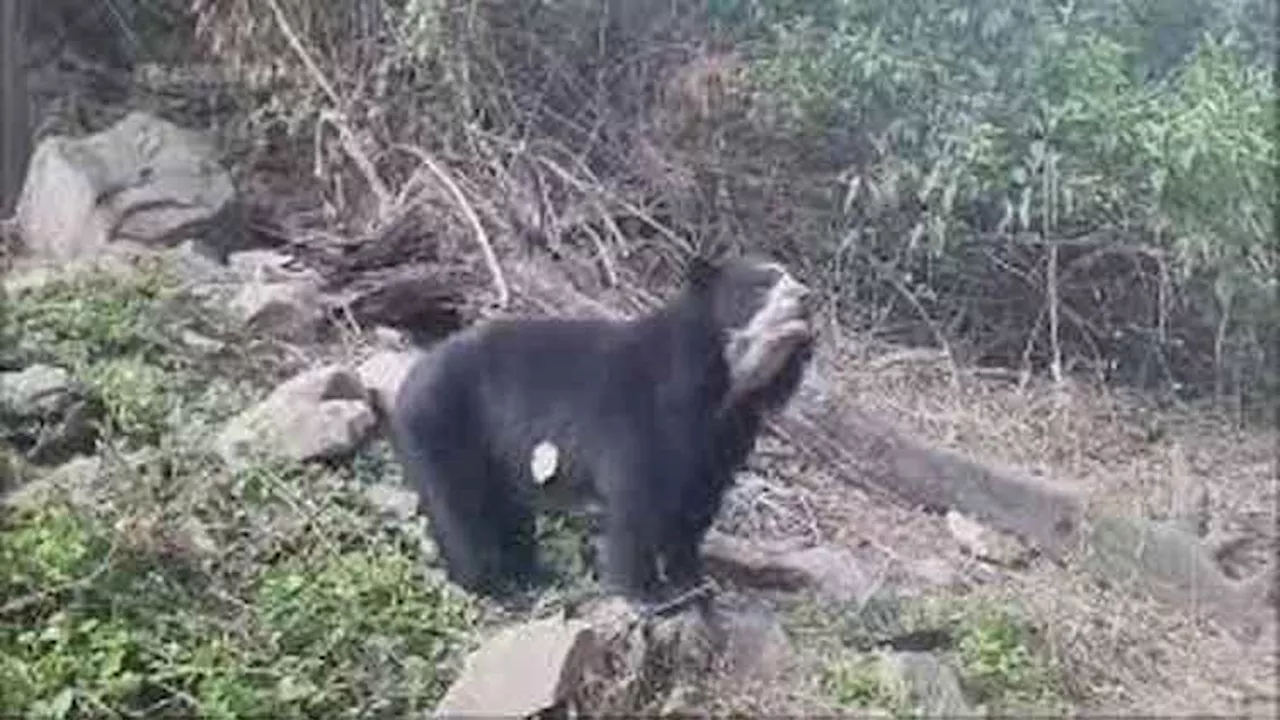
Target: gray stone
[(289, 310), (396, 502), (75, 478), (835, 574), (390, 338), (756, 645), (318, 414), (932, 687), (327, 382), (382, 373), (985, 543), (38, 391), (522, 670), (270, 266), (299, 431), (143, 179)]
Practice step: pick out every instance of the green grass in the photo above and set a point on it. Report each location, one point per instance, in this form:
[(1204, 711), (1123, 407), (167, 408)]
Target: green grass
[(862, 681), (183, 588), (995, 650)]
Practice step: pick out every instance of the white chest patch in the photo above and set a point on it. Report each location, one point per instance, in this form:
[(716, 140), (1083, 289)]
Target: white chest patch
[(544, 461)]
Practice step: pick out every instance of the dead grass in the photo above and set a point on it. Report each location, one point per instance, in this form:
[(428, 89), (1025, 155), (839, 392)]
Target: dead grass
[(1120, 653)]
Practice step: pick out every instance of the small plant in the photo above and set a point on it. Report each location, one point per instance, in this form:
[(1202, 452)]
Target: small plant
[(81, 319), (137, 396), (864, 681), (998, 663), (190, 589), (998, 654)]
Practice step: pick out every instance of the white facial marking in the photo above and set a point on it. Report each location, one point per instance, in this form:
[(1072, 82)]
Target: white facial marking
[(758, 352)]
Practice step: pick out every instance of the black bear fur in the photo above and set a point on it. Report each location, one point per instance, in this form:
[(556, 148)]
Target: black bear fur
[(636, 408)]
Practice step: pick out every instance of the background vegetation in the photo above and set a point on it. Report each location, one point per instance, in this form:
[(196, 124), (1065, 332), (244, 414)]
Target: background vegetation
[(1044, 186), (1080, 188)]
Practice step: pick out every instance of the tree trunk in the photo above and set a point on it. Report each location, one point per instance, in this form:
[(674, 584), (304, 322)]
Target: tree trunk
[(15, 102)]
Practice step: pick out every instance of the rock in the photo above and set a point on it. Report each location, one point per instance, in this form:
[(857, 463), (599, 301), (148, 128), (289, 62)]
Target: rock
[(291, 311), (298, 430), (73, 433), (270, 266), (835, 574), (191, 261), (647, 661), (931, 686), (202, 343), (987, 544), (382, 373), (39, 391), (46, 414), (396, 502), (523, 670), (1163, 561), (756, 645), (318, 414), (75, 478), (390, 338), (328, 382), (143, 179), (935, 573)]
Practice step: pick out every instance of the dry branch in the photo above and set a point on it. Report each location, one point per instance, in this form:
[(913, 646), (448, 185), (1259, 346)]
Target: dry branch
[(482, 238), (334, 116)]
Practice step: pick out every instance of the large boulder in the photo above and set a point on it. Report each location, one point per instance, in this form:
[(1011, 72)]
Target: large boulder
[(320, 414), (523, 670), (143, 179), (46, 414)]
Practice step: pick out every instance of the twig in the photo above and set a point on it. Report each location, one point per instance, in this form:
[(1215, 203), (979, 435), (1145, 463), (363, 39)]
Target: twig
[(482, 238), (334, 117), (295, 43), (700, 591), (1052, 282), (358, 156), (568, 177), (910, 297)]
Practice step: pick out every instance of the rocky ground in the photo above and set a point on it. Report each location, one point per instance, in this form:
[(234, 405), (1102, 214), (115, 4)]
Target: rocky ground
[(201, 515)]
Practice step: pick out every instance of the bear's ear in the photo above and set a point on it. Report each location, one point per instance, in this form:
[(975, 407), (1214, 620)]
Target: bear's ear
[(700, 272)]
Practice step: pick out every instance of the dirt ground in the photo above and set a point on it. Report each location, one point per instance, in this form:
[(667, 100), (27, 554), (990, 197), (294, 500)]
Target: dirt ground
[(1125, 654)]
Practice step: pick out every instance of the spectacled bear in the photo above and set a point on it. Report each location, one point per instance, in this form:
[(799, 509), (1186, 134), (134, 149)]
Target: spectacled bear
[(650, 416)]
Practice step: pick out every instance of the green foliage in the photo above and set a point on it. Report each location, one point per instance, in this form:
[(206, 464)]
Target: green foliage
[(119, 334), (958, 125), (97, 622), (1001, 661), (107, 330), (863, 681), (136, 395), (565, 541), (169, 584), (79, 319), (1002, 664)]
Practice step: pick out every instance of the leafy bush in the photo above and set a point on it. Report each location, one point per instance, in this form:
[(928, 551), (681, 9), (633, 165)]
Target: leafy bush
[(968, 139), (98, 620), (161, 582)]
